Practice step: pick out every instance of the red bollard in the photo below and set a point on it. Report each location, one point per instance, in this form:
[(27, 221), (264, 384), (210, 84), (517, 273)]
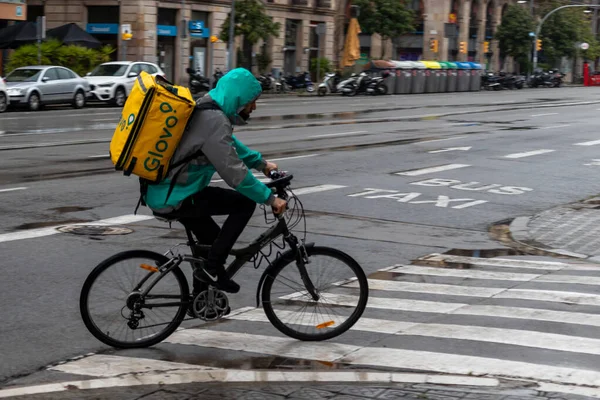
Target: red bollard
[(586, 74)]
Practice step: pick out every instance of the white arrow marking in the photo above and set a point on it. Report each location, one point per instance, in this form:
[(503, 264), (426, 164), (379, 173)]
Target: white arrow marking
[(594, 162), (451, 149)]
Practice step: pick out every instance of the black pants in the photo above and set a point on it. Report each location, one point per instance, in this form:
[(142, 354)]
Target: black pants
[(196, 215)]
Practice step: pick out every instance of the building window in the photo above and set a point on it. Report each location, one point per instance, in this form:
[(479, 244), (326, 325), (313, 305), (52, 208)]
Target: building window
[(291, 32)]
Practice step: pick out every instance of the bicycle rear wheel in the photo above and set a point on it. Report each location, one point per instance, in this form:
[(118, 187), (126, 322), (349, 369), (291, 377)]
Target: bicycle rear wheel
[(108, 300), (340, 283)]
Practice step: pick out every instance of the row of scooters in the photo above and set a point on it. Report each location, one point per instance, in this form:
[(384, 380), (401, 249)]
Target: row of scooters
[(332, 83), (492, 81)]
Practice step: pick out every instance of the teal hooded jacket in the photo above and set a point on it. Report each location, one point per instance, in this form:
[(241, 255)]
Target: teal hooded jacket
[(210, 135)]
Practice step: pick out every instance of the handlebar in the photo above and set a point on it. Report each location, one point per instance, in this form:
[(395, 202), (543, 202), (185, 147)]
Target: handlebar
[(279, 180)]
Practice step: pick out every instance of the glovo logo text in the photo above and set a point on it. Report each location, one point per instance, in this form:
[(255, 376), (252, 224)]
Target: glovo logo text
[(156, 154)]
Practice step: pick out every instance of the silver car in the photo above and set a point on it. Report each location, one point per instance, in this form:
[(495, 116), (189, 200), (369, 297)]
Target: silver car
[(38, 85)]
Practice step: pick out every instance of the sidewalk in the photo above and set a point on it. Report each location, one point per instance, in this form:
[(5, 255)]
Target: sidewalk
[(510, 390), (571, 230)]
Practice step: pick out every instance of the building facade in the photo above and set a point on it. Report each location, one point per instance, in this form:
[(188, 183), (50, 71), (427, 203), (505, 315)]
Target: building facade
[(175, 34)]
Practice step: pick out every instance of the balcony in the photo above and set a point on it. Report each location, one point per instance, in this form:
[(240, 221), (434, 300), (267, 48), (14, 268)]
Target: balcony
[(323, 3), (302, 3)]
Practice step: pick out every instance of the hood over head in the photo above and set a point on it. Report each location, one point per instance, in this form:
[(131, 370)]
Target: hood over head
[(234, 91)]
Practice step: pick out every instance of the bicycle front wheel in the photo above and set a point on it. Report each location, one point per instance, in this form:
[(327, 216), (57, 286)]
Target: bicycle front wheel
[(341, 286), (118, 315)]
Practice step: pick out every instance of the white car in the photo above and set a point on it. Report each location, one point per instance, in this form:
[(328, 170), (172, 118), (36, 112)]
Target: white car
[(3, 95), (112, 82)]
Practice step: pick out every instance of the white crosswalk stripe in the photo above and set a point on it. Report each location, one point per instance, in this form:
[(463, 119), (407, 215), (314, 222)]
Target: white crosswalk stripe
[(538, 326)]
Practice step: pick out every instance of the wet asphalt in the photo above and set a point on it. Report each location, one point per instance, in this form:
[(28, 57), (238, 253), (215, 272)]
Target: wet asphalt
[(54, 170)]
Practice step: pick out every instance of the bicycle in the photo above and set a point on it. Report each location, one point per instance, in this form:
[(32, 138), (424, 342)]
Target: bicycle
[(163, 285)]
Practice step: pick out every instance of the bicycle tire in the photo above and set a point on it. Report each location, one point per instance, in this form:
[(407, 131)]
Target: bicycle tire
[(283, 262), (103, 266)]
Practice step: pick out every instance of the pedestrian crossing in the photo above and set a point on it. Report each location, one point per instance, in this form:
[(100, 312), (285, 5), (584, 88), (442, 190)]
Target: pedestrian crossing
[(494, 319)]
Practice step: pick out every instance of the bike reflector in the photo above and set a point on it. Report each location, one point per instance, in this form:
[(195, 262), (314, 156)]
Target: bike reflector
[(148, 268), (325, 324)]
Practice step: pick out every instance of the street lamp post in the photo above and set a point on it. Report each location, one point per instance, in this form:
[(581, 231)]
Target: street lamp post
[(533, 39), (539, 27), (231, 38)]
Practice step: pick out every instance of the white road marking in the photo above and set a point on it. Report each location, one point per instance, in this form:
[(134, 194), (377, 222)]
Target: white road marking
[(581, 280), (590, 143), (535, 314), (529, 153), (555, 126), (484, 292), (441, 140), (576, 390), (338, 134), (451, 149), (12, 189), (100, 156), (543, 115), (431, 170), (262, 376), (109, 365), (317, 189), (383, 303), (53, 144), (594, 163), (115, 119), (465, 273), (294, 157), (512, 263), (42, 232), (383, 357)]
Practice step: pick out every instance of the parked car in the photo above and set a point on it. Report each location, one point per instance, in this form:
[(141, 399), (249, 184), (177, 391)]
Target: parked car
[(3, 96), (112, 82), (38, 85)]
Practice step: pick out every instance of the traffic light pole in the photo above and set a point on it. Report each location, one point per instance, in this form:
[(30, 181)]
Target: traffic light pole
[(539, 27)]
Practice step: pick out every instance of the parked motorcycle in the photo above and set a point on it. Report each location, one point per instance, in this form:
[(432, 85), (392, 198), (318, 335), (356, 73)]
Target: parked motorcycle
[(300, 81), (330, 84), (541, 78), (377, 84), (216, 76), (197, 83), (556, 78), (267, 82), (357, 85)]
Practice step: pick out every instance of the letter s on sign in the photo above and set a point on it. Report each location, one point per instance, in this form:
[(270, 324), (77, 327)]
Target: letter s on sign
[(436, 182), (155, 163)]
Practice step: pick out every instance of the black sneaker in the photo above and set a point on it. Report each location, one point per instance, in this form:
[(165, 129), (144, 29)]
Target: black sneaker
[(226, 284)]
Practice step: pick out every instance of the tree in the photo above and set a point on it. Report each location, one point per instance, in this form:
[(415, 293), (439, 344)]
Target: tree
[(251, 22), (513, 35), (388, 18), (563, 30)]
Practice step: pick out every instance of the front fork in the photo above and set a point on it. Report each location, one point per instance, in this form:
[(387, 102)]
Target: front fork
[(301, 260)]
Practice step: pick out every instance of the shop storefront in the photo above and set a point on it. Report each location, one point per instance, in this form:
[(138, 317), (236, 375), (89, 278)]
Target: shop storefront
[(103, 24), (166, 34), (199, 45)]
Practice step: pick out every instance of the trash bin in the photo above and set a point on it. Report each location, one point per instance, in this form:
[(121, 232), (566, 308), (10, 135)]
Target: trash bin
[(451, 75), (443, 80), (418, 77), (432, 73), (476, 71), (403, 77), (464, 77)]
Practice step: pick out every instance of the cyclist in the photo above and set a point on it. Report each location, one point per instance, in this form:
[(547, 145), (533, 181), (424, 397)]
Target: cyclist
[(207, 146)]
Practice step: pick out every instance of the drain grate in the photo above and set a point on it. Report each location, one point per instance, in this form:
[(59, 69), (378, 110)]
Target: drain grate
[(94, 230)]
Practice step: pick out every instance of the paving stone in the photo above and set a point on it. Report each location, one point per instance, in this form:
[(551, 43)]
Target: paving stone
[(312, 393), (481, 396), (166, 395), (363, 391), (392, 394)]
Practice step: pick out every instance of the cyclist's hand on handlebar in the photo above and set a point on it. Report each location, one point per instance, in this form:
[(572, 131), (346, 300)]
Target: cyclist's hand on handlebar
[(279, 206), (268, 168)]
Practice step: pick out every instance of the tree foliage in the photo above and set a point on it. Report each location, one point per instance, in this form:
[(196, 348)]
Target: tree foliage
[(251, 22), (513, 34), (388, 18), (563, 30), (79, 59)]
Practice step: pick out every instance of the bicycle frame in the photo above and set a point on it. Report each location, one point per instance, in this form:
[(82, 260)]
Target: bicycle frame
[(242, 256)]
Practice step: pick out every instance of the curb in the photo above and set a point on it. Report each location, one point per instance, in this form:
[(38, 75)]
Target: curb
[(519, 233)]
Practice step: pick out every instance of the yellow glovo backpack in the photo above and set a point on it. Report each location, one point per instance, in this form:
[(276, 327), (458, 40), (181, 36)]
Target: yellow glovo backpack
[(153, 121)]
